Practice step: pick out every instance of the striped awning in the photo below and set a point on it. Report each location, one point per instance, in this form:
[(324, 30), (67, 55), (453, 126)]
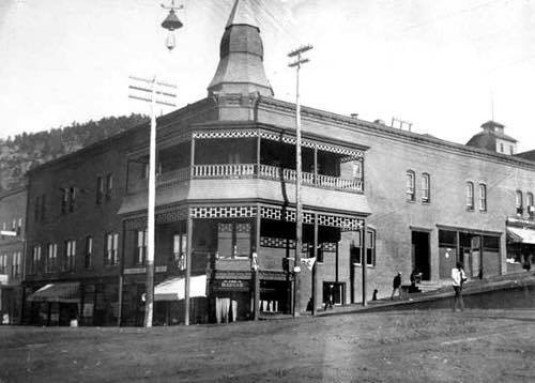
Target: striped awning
[(57, 292), (173, 289)]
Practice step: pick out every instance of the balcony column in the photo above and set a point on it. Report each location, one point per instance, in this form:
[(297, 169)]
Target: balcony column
[(315, 265), (189, 253), (315, 164), (192, 160), (258, 146), (255, 266)]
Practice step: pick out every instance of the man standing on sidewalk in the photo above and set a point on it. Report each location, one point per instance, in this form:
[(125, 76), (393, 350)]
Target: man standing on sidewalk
[(459, 277), (396, 285)]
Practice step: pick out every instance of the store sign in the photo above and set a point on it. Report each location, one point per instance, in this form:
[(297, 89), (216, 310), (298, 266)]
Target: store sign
[(232, 285)]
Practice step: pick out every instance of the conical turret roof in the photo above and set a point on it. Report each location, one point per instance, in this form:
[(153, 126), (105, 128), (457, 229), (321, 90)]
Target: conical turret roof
[(241, 67)]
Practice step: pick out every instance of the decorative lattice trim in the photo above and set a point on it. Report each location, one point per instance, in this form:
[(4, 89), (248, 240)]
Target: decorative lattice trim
[(343, 222), (223, 212), (226, 134), (352, 153)]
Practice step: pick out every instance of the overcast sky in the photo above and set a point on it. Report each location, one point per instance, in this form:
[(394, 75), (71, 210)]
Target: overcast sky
[(438, 64)]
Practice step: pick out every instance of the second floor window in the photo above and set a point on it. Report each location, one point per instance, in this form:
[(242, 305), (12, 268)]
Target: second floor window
[(64, 200), (72, 198), (469, 196), (529, 204), (426, 187), (482, 197), (100, 190), (411, 183), (519, 202), (88, 261), (51, 258), (109, 185), (70, 255), (36, 259), (141, 248), (3, 264), (112, 249), (16, 264)]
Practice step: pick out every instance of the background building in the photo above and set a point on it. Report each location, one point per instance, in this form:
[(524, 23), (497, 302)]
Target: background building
[(12, 249)]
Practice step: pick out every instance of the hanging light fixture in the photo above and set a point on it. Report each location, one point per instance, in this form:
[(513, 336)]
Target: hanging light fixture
[(171, 23)]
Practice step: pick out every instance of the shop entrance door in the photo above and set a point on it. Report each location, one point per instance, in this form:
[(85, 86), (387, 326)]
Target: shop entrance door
[(420, 254)]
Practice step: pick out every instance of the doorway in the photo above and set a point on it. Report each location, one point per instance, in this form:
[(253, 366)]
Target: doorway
[(420, 254)]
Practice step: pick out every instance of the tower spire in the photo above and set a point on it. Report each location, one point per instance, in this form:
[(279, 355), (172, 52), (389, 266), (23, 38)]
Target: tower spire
[(241, 66)]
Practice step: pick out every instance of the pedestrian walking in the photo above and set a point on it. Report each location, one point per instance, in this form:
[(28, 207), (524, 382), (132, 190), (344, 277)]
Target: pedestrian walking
[(459, 277), (396, 285)]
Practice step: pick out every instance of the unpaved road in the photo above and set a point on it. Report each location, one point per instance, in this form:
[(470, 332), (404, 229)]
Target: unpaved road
[(413, 346)]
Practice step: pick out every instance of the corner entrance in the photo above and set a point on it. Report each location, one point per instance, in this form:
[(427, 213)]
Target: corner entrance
[(420, 254)]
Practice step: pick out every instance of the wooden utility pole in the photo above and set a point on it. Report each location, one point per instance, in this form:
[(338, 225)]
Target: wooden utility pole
[(299, 61), (163, 100)]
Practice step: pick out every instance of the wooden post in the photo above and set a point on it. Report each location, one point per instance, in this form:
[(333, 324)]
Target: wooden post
[(189, 252), (256, 271), (314, 267), (363, 260)]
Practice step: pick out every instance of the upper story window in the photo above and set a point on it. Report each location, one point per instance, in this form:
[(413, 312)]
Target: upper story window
[(100, 190), (88, 261), (109, 185), (529, 204), (72, 198), (411, 185), (501, 148), (482, 197), (141, 247), (112, 249), (40, 208), (19, 227), (36, 259), (519, 202), (426, 187), (70, 255), (469, 196), (64, 200), (51, 258), (3, 264), (16, 264)]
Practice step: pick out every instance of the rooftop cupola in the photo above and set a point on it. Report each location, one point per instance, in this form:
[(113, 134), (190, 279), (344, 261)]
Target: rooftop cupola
[(493, 138), (241, 67)]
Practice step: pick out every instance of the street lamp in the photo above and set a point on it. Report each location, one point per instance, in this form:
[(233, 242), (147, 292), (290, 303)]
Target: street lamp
[(171, 23)]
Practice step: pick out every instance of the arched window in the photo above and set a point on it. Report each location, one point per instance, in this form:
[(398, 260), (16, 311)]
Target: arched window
[(469, 196), (482, 197), (426, 187), (411, 182), (519, 202)]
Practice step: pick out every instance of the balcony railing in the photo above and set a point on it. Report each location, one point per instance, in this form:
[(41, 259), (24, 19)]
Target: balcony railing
[(233, 171)]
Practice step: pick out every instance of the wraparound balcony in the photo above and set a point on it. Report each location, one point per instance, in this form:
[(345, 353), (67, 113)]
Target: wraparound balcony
[(243, 171)]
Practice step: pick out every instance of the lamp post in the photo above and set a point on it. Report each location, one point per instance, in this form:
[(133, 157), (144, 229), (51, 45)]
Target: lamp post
[(297, 53)]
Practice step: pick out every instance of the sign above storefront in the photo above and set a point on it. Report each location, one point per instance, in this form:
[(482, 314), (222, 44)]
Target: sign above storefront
[(231, 285)]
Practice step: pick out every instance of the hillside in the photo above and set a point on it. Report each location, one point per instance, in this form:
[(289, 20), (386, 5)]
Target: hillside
[(20, 153)]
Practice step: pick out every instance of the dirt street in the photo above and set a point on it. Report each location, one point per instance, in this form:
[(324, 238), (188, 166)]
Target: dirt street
[(411, 346)]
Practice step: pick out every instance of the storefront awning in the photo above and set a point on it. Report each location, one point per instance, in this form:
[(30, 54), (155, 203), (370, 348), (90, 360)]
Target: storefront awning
[(173, 289), (521, 235), (57, 292)]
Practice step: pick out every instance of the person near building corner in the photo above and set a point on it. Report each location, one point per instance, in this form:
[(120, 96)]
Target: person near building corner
[(396, 285), (459, 277)]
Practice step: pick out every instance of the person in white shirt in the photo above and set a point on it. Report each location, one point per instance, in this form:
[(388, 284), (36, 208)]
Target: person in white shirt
[(459, 277)]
